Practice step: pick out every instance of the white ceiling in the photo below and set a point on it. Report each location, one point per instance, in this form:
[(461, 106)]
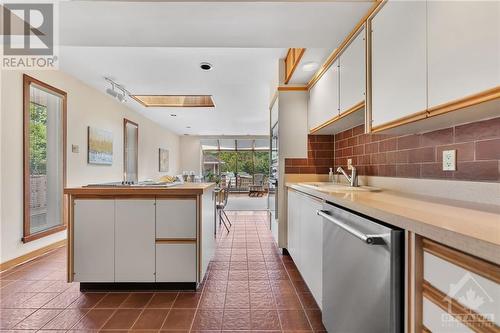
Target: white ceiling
[(156, 48)]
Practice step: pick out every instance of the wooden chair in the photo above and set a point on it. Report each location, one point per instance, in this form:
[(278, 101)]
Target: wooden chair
[(223, 197), (257, 188)]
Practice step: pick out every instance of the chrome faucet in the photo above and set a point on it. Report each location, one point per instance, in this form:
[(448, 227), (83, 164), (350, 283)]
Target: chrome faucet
[(353, 179)]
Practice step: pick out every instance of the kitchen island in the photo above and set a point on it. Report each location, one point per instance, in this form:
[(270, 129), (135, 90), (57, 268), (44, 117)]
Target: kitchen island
[(140, 237)]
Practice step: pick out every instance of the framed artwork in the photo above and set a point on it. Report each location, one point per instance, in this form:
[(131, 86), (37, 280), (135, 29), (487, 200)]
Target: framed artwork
[(100, 146), (164, 160)]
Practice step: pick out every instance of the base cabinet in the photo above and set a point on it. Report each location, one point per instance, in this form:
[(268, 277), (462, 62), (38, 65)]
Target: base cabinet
[(135, 240), (305, 240), (94, 247), (176, 262)]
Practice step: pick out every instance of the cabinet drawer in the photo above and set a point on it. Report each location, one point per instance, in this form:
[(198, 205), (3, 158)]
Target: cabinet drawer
[(176, 218), (176, 262)]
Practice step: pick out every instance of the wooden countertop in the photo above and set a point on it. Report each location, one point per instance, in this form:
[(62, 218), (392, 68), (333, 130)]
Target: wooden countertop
[(473, 228), (180, 189)]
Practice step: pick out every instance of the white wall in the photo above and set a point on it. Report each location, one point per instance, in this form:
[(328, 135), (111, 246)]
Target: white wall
[(190, 157), (86, 106)]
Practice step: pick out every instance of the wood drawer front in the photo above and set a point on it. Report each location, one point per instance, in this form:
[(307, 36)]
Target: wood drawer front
[(176, 262), (433, 320), (175, 218), (443, 275)]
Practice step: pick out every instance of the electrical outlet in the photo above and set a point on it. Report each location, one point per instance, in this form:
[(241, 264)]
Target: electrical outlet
[(349, 164), (449, 160), (75, 149)]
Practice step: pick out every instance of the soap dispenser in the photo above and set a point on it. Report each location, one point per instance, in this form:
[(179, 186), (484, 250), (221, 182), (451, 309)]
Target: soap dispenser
[(330, 175)]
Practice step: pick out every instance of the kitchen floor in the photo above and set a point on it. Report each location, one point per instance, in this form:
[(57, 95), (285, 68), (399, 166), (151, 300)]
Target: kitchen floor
[(249, 287)]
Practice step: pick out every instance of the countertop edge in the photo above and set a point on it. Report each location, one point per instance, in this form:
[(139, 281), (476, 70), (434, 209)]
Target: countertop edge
[(182, 189), (478, 247)]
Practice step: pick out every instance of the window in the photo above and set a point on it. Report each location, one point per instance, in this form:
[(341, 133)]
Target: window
[(44, 167), (130, 151)]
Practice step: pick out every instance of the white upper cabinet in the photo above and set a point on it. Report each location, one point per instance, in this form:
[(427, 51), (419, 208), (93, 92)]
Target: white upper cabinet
[(352, 73), (463, 48), (324, 98), (399, 66)]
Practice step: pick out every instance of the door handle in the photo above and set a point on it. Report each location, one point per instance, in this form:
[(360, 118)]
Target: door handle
[(368, 239)]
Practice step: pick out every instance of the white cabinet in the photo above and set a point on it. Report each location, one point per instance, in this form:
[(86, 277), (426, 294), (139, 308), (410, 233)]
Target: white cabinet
[(305, 240), (324, 98), (135, 240), (176, 218), (399, 65), (176, 262), (311, 244), (463, 48), (93, 248), (352, 73)]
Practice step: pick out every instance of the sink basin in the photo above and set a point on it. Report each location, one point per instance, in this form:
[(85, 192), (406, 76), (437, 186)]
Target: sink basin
[(334, 187)]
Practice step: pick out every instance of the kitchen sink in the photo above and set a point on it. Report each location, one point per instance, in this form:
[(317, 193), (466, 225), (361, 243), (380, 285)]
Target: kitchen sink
[(336, 187)]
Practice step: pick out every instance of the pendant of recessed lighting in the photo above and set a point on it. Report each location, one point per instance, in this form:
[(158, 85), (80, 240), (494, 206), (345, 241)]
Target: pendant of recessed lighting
[(117, 90)]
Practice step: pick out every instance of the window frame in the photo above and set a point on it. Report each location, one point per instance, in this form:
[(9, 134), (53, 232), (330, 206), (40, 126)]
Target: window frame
[(27, 235)]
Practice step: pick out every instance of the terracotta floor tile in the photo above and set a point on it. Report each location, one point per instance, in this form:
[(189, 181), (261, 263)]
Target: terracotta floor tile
[(315, 320), (293, 320), (211, 300), (260, 286), (262, 301), (308, 301), (282, 286), (287, 301), (187, 300), (162, 300), (258, 275), (38, 300), (218, 275), (15, 300), (11, 317), (236, 320), (122, 319), (94, 319), (216, 286), (208, 320), (66, 319), (219, 265), (264, 320), (238, 275), (237, 286), (112, 300), (179, 319), (63, 300), (37, 320), (151, 319), (87, 300), (137, 300), (237, 301), (238, 265)]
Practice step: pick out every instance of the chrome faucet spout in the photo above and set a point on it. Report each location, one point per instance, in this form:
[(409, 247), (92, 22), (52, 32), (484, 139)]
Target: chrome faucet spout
[(353, 179)]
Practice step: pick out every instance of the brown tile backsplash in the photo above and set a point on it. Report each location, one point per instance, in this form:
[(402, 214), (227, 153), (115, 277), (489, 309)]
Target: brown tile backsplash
[(408, 156)]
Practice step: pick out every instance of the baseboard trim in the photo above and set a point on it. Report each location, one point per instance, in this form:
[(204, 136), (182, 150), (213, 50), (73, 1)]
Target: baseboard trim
[(31, 255)]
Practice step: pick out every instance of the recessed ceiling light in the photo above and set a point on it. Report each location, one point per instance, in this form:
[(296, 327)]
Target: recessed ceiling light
[(206, 66), (310, 66), (173, 115), (188, 126)]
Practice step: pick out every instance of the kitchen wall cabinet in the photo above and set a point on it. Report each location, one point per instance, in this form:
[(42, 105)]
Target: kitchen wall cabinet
[(94, 234), (305, 240), (324, 102), (176, 262), (398, 61), (176, 218), (135, 240), (352, 73), (463, 49)]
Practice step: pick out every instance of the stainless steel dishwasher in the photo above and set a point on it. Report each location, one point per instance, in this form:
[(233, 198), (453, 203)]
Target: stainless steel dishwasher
[(363, 267)]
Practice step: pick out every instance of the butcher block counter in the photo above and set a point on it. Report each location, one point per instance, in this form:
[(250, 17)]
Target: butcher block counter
[(140, 237)]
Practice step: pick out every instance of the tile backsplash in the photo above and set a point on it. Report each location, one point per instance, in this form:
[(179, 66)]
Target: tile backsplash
[(410, 156)]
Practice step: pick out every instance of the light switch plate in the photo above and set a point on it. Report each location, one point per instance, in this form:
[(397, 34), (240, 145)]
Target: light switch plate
[(75, 149), (349, 164), (449, 160)]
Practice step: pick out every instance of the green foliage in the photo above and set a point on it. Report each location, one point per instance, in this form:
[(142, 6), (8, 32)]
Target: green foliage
[(38, 139)]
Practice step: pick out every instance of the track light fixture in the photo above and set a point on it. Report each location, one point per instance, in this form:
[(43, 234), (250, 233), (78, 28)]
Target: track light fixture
[(117, 90)]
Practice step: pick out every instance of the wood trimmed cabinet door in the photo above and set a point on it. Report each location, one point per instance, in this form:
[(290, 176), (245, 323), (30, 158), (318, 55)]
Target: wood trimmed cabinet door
[(352, 73), (398, 58), (94, 247), (135, 240), (463, 49), (323, 102)]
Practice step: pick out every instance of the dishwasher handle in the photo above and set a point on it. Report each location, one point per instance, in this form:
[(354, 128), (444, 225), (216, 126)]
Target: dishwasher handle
[(368, 239)]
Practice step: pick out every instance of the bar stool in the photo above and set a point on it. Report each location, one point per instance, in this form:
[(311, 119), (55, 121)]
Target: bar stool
[(224, 193)]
